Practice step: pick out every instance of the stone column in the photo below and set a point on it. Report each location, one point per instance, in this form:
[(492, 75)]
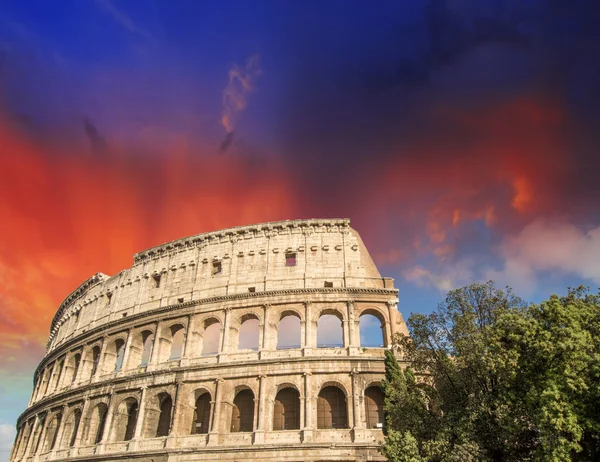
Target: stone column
[(308, 330), (358, 433), (392, 313), (307, 430), (139, 423), (188, 340), (259, 433), (266, 331), (354, 347), (213, 436), (174, 425), (225, 337)]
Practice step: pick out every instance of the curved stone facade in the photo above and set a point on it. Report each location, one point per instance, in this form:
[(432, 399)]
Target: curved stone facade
[(183, 358)]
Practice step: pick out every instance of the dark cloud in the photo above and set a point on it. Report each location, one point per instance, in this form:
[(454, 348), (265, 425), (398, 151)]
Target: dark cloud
[(226, 142), (97, 142)]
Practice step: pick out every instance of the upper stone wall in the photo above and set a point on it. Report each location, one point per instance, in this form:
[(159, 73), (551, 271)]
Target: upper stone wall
[(251, 258)]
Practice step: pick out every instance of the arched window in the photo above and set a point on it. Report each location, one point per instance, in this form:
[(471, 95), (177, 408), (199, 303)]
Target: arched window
[(76, 361), (211, 337), (242, 418), (374, 407), (52, 432), (25, 438), (286, 412), (96, 424), (58, 374), (164, 419), (202, 415), (177, 335), (48, 378), (69, 432), (119, 353), (125, 420), (249, 334), (371, 331), (38, 434), (329, 332), (288, 332), (331, 408), (95, 360), (148, 342)]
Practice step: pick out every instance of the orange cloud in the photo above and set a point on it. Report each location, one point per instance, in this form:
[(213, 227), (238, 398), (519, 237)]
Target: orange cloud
[(67, 215)]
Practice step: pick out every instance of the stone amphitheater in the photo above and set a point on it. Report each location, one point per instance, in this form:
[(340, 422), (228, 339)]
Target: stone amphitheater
[(213, 348)]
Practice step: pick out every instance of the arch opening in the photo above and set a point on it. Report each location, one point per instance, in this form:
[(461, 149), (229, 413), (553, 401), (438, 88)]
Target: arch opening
[(242, 416), (329, 332), (125, 420), (249, 334), (119, 348), (211, 337), (177, 341), (289, 332), (372, 331), (331, 408), (69, 433), (52, 432), (374, 407), (286, 411), (201, 422), (148, 346)]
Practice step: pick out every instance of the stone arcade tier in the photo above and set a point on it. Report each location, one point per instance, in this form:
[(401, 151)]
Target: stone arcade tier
[(189, 355)]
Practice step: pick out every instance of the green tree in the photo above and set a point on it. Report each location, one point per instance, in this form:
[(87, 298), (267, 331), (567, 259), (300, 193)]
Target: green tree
[(496, 379)]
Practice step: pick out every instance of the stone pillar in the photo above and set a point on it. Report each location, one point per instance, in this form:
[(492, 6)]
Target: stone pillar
[(309, 344), (225, 337), (259, 433), (130, 335), (188, 336), (174, 425), (213, 436), (265, 331), (392, 313), (139, 424), (358, 433), (307, 430), (354, 347)]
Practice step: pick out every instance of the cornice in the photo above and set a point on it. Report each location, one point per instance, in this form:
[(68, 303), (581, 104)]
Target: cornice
[(206, 301), (84, 287), (270, 228)]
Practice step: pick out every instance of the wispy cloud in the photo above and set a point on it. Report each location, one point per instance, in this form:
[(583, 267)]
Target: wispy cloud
[(121, 17), (242, 81)]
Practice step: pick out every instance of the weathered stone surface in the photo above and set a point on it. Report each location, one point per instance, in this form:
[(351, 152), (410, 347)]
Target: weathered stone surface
[(134, 371)]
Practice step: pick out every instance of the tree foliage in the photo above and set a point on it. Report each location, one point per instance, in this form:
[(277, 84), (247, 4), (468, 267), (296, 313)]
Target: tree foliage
[(494, 379)]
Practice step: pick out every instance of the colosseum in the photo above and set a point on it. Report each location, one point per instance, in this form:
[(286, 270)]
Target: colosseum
[(239, 344)]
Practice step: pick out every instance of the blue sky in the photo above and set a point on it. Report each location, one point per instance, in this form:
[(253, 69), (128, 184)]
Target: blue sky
[(459, 136)]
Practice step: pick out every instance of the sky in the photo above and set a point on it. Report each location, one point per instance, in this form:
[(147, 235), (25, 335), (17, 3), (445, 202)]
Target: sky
[(460, 137)]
